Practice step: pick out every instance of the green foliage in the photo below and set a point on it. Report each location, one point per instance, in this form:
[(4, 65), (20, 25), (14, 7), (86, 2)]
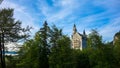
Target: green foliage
[(55, 35), (36, 53), (50, 48), (116, 43), (44, 46), (101, 58), (60, 56), (94, 39), (29, 55), (101, 55), (11, 61), (12, 28), (81, 59)]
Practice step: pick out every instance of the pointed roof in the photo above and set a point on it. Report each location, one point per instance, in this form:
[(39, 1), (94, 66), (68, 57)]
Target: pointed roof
[(74, 29), (74, 25), (84, 32)]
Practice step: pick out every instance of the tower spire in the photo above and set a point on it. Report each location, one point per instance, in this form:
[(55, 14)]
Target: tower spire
[(74, 29), (84, 32)]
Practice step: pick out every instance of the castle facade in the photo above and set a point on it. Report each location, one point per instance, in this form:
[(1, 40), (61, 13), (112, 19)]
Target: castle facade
[(79, 41)]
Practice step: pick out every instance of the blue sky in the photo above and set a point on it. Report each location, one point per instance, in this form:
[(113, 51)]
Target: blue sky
[(86, 14)]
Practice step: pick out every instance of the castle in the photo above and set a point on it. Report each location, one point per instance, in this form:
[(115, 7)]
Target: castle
[(79, 41), (116, 40)]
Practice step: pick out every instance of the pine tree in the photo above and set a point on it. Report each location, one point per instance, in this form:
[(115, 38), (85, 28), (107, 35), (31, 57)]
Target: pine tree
[(55, 34), (10, 30), (61, 55), (44, 46), (94, 39)]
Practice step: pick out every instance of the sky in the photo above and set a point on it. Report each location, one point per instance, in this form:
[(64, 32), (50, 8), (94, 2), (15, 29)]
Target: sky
[(103, 15)]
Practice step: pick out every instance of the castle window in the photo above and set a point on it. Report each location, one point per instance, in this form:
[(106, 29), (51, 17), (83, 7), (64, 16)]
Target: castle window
[(76, 43)]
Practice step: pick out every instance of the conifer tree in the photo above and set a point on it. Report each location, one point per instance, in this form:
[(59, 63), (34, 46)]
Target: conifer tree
[(10, 30), (94, 39), (44, 46)]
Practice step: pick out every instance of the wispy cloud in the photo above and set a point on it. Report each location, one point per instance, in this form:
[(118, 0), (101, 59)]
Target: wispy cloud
[(86, 14), (110, 29), (59, 10), (20, 13), (101, 14)]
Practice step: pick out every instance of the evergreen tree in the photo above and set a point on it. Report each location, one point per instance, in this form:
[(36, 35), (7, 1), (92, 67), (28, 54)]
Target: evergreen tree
[(61, 55), (100, 54), (44, 46), (116, 43), (94, 39), (55, 34), (10, 30)]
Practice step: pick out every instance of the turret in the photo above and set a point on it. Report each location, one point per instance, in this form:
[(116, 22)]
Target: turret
[(74, 29), (84, 34), (84, 40)]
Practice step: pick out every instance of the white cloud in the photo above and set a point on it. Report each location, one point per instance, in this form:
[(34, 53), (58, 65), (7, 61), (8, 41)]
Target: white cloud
[(69, 8), (110, 29), (20, 13), (64, 13), (51, 13)]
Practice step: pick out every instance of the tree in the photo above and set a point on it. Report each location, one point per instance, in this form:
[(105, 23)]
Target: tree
[(100, 54), (10, 30), (44, 46), (13, 30), (94, 39), (116, 43), (55, 35), (28, 55), (61, 55), (11, 61)]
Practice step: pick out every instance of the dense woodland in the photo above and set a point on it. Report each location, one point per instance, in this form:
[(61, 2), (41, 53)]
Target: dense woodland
[(51, 48)]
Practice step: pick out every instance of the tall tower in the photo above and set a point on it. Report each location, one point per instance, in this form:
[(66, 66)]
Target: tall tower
[(78, 40), (84, 40), (74, 29)]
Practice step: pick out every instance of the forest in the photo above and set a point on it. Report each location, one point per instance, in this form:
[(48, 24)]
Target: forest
[(51, 48)]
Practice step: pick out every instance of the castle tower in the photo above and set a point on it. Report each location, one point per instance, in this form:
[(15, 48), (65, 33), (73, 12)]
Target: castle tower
[(74, 29), (84, 40), (78, 40)]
